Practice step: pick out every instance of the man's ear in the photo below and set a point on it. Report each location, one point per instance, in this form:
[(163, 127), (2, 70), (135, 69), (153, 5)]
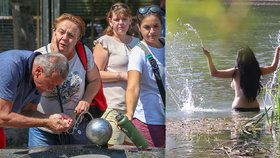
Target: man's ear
[(38, 71)]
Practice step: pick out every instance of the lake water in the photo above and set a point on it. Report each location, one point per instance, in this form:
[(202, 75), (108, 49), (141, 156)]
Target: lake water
[(190, 87), (196, 98)]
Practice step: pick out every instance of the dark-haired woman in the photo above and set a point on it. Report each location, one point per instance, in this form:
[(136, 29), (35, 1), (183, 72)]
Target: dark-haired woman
[(144, 103), (245, 77)]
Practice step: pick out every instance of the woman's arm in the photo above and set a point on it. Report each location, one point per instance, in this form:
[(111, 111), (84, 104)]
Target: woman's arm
[(269, 69), (91, 89), (227, 73), (101, 57), (132, 92)]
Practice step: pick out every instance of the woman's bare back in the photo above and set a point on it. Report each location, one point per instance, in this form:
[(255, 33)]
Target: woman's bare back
[(240, 101)]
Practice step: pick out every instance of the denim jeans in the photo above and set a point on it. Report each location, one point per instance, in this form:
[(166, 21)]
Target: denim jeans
[(38, 137)]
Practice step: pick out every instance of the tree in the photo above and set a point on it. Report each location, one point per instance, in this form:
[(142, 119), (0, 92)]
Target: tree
[(23, 27)]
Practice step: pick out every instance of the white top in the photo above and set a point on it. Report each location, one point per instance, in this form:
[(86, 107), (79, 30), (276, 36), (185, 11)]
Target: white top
[(72, 89), (117, 62), (150, 106)]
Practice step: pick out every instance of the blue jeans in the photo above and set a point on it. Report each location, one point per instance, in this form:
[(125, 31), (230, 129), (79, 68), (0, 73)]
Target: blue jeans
[(39, 137)]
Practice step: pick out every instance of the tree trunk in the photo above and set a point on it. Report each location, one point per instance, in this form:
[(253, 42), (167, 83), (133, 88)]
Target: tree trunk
[(23, 28)]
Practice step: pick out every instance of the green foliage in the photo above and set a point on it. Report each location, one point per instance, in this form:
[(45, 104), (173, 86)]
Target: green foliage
[(273, 118), (210, 15)]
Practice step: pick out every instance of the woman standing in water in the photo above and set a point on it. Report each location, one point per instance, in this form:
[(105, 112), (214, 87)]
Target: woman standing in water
[(144, 103), (245, 77)]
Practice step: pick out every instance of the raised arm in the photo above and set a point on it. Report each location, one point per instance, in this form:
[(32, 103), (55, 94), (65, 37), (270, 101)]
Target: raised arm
[(101, 57), (227, 73), (132, 92), (269, 69)]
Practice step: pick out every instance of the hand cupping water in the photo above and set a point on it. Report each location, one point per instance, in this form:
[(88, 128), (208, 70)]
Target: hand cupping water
[(60, 122)]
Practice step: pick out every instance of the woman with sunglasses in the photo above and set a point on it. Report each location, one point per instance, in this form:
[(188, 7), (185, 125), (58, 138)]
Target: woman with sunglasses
[(111, 56), (144, 104)]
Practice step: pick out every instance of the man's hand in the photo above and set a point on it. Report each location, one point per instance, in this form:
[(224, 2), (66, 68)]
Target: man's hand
[(59, 123)]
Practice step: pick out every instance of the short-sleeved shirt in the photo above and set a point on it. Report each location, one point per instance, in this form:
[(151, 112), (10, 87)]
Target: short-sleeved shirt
[(16, 82), (149, 108), (117, 62), (72, 89)]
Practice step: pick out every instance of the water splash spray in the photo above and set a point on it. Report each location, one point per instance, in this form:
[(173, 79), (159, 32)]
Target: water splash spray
[(270, 86), (195, 31), (181, 48)]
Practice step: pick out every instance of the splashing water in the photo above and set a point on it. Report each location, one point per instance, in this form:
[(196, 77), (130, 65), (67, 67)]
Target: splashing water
[(268, 100), (278, 37), (183, 49), (188, 102), (190, 30), (195, 31)]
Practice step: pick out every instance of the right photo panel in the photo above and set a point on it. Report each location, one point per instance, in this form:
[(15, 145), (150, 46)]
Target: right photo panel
[(222, 78)]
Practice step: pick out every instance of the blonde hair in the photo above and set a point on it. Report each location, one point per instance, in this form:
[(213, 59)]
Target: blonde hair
[(73, 18), (118, 9)]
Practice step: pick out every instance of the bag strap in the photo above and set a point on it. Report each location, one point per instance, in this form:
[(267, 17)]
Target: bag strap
[(59, 99), (155, 68), (162, 41), (63, 137), (80, 49)]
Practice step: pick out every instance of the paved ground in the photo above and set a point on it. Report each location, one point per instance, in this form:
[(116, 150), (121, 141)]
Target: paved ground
[(80, 151)]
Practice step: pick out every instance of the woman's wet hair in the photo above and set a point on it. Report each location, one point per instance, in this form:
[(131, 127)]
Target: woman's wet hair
[(250, 73), (73, 18), (119, 9)]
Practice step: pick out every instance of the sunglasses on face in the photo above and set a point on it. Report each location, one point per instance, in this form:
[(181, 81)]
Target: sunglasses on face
[(148, 9)]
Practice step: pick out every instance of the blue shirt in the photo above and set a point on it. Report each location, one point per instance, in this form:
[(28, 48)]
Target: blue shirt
[(149, 107), (16, 82)]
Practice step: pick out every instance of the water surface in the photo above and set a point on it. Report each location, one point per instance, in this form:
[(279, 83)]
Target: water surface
[(200, 121)]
